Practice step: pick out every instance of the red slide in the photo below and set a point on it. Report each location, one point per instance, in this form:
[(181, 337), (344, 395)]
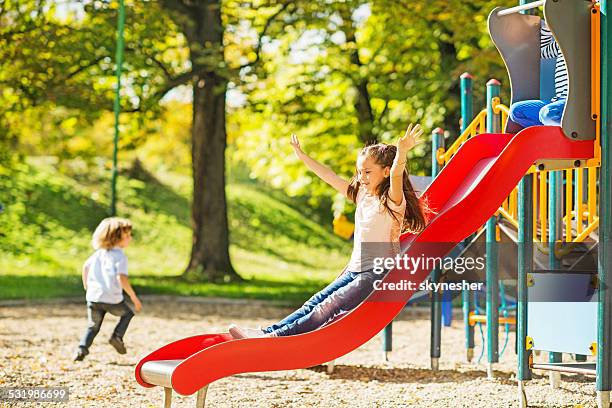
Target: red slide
[(465, 194)]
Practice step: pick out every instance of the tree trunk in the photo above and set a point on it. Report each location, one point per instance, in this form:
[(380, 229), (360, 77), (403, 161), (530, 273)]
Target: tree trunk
[(210, 260), (363, 108), (364, 112)]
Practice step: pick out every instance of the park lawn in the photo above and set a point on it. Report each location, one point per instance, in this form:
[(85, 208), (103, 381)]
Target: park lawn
[(49, 216)]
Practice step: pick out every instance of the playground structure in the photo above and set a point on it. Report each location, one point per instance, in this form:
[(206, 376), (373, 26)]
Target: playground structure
[(476, 183), (564, 278)]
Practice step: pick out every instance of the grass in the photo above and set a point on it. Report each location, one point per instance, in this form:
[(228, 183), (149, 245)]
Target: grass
[(49, 217)]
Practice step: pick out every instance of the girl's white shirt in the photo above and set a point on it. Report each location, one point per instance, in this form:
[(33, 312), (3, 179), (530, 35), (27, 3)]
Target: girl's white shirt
[(377, 232), (103, 267)]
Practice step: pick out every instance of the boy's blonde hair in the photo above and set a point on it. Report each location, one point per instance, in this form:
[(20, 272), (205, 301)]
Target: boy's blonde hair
[(109, 233)]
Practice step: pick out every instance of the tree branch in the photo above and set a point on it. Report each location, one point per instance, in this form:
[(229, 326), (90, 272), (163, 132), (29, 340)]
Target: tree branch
[(84, 67), (383, 113), (176, 81), (178, 6), (157, 62), (263, 33)]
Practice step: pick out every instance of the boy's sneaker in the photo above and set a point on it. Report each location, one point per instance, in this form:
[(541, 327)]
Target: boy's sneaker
[(80, 354), (117, 343), (244, 332)]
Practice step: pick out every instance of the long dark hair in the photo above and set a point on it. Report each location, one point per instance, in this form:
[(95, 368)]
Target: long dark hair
[(383, 155)]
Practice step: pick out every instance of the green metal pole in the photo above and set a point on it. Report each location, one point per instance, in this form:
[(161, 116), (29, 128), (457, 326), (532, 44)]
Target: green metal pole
[(604, 311), (525, 267), (467, 100), (553, 216), (117, 104), (530, 11), (437, 141), (467, 114), (553, 213), (492, 273), (387, 340)]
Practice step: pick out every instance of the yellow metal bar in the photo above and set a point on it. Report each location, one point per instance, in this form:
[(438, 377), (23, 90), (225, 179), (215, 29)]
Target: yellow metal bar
[(595, 61), (585, 233), (543, 206), (579, 210), (596, 78), (534, 208), (474, 318), (592, 195), (470, 131), (508, 217), (500, 108), (515, 207), (568, 205), (482, 124)]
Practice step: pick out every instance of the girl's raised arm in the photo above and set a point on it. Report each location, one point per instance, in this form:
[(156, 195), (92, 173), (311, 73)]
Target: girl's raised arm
[(325, 173), (411, 138)]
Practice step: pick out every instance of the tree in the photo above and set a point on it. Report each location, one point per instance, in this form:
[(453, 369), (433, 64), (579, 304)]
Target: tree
[(204, 23), (341, 74)]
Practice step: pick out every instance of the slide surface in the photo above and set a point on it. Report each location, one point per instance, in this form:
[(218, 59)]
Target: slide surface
[(465, 194)]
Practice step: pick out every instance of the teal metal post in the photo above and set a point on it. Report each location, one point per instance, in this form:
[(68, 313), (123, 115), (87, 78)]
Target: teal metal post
[(437, 141), (467, 100), (604, 312), (117, 104), (530, 11), (525, 267), (554, 215), (467, 114), (387, 340), (492, 273)]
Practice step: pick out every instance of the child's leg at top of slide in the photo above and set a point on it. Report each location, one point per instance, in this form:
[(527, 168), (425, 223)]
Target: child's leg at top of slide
[(527, 113), (550, 114)]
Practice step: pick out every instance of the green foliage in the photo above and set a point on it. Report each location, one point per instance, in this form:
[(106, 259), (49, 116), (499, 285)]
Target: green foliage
[(296, 66), (407, 54), (46, 228)]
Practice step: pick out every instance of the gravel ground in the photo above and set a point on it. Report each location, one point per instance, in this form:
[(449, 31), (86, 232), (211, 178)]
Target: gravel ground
[(37, 343)]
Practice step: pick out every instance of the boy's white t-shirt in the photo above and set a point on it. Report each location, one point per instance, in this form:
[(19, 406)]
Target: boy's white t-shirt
[(104, 268), (376, 231)]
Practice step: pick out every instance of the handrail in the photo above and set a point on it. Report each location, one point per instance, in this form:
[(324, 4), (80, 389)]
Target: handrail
[(579, 218), (477, 124), (579, 201), (522, 7)]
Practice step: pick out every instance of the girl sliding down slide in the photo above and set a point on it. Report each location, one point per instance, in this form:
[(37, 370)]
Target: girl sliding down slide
[(386, 206)]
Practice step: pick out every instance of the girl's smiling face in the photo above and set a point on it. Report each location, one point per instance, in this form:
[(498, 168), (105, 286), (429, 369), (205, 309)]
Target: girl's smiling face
[(370, 174)]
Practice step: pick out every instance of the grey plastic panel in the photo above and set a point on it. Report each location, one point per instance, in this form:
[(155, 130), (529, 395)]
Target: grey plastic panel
[(568, 326), (570, 23), (517, 38)]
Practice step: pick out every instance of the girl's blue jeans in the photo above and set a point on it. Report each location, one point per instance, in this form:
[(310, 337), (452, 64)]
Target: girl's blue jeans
[(536, 113), (342, 295)]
